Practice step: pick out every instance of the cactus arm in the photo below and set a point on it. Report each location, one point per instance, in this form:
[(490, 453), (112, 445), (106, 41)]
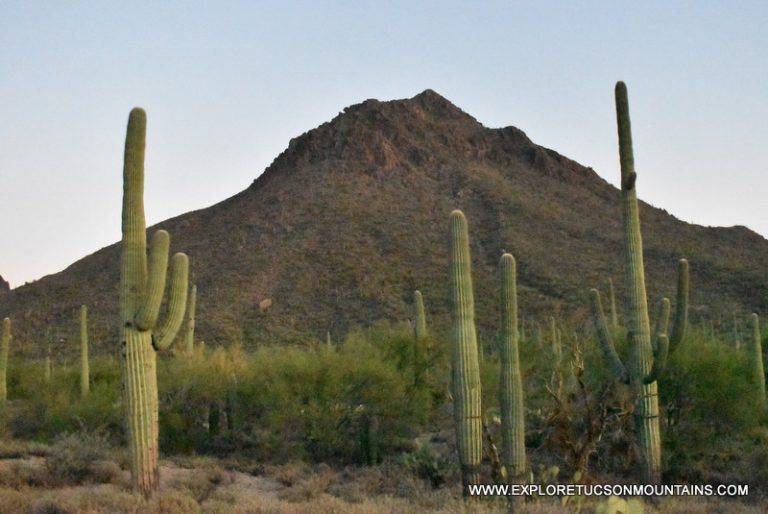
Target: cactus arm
[(614, 312), (177, 303), (465, 366), (660, 343), (662, 322), (191, 305), (511, 386), (605, 339), (133, 265), (146, 317), (681, 307)]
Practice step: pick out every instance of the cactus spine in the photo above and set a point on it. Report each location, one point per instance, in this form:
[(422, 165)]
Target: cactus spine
[(141, 290), (756, 369), (465, 367), (511, 387), (190, 335), (5, 343), (85, 386)]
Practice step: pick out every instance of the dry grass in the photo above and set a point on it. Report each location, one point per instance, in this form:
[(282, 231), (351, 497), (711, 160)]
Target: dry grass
[(204, 485)]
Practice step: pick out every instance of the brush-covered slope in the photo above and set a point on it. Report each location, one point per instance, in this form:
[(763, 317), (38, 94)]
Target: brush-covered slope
[(352, 217)]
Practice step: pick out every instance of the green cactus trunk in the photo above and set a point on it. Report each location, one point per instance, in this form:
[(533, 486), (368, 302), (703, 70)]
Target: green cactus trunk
[(465, 366), (511, 386), (5, 344), (639, 336), (190, 335), (419, 343), (85, 385), (141, 289), (757, 371)]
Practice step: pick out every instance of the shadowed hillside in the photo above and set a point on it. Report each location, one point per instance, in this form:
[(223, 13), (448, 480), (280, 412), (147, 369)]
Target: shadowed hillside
[(352, 217)]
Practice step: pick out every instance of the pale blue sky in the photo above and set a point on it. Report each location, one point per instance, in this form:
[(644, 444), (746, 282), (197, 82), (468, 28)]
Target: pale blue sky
[(226, 85)]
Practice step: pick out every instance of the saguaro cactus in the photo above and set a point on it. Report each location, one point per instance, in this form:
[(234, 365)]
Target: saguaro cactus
[(646, 362), (190, 335), (756, 369), (85, 386), (420, 337), (141, 290), (681, 307), (511, 386), (5, 343), (465, 368)]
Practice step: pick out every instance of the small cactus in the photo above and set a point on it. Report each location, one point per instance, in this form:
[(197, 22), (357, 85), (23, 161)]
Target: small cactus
[(465, 369), (756, 369), (420, 337), (85, 386), (5, 343)]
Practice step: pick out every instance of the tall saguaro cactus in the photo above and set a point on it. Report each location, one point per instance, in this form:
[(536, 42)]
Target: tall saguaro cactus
[(5, 344), (465, 368), (142, 284), (640, 358), (511, 386), (645, 361), (85, 385)]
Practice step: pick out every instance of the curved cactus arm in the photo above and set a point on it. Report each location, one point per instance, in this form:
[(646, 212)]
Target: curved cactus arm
[(177, 303), (659, 359), (605, 339), (146, 317), (681, 307)]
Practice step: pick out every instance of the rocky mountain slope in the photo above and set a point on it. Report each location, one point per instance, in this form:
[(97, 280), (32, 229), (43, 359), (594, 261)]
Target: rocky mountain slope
[(352, 217)]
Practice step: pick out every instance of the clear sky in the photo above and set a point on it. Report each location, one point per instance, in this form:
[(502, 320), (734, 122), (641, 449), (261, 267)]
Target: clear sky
[(227, 84)]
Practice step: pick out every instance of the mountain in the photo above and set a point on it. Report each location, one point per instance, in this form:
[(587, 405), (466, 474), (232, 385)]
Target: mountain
[(352, 217)]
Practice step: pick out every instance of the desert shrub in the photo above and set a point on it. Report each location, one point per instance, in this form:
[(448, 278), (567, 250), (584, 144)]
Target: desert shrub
[(318, 403), (79, 457), (42, 410), (429, 464)]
